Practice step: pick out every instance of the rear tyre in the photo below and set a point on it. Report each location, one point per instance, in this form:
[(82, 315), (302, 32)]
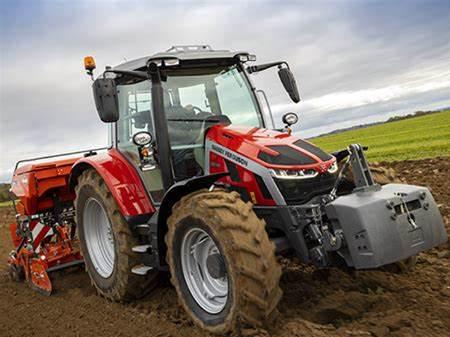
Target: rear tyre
[(222, 264), (106, 242)]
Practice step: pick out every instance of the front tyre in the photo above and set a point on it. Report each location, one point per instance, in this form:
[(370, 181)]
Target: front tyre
[(222, 263), (106, 242)]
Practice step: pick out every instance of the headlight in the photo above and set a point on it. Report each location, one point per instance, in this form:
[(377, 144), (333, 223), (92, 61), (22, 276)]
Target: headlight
[(246, 57), (294, 174), (333, 168)]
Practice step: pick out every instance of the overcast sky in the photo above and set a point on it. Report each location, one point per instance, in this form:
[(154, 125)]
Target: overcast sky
[(355, 61)]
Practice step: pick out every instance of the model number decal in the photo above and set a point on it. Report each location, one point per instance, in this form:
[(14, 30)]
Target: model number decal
[(229, 155)]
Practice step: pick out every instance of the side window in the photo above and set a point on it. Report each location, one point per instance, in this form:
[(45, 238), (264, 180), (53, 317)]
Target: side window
[(236, 100), (136, 115), (135, 112)]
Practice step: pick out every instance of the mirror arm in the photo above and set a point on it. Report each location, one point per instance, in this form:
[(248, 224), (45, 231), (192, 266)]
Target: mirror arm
[(261, 67), (137, 74)]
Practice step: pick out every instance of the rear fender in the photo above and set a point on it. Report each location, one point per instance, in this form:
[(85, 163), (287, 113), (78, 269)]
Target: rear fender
[(122, 180)]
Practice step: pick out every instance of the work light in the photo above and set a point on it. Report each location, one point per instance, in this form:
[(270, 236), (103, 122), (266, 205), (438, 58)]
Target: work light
[(142, 138)]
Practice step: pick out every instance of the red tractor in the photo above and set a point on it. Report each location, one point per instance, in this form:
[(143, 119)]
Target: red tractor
[(197, 181)]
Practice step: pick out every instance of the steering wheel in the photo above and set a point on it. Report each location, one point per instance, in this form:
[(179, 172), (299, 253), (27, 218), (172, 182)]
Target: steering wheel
[(196, 109), (201, 114)]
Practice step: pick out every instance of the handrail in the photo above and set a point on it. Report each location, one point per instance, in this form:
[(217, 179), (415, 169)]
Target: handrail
[(269, 110), (58, 155)]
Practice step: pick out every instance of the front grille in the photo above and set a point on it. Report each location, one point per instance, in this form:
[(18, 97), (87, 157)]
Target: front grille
[(298, 191)]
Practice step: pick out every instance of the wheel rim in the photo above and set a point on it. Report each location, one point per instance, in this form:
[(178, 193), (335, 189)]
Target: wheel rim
[(210, 293), (99, 237)]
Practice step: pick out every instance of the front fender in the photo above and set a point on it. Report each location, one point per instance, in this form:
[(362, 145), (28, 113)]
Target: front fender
[(122, 180), (175, 193)]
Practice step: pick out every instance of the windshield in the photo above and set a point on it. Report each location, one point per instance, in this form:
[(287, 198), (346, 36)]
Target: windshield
[(193, 98), (204, 92)]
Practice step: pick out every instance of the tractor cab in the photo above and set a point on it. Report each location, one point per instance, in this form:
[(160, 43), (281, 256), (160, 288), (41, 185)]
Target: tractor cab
[(176, 97)]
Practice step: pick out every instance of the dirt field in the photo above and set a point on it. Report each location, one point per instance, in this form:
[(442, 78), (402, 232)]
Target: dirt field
[(315, 303)]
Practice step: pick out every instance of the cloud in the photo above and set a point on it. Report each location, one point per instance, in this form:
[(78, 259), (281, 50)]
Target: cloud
[(420, 82), (353, 61)]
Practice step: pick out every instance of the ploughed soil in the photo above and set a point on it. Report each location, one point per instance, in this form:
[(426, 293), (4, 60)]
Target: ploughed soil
[(315, 303)]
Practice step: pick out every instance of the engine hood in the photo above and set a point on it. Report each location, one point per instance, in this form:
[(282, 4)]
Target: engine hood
[(272, 149)]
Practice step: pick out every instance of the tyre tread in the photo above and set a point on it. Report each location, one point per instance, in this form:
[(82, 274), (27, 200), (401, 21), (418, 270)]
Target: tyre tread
[(127, 285), (250, 251)]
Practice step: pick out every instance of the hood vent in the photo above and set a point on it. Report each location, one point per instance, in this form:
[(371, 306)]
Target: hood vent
[(287, 156), (313, 149)]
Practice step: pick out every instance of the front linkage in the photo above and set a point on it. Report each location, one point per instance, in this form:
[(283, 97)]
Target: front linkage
[(370, 227)]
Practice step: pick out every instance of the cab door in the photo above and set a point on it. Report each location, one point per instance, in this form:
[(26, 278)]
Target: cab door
[(135, 107)]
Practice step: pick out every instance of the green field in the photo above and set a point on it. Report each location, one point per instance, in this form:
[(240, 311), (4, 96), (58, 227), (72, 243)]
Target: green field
[(414, 138), (5, 203)]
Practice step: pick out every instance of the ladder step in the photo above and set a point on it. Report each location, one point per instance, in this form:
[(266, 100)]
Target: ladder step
[(141, 269), (143, 229), (141, 248)]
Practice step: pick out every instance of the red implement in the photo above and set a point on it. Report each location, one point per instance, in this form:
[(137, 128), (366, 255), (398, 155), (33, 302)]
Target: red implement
[(43, 234)]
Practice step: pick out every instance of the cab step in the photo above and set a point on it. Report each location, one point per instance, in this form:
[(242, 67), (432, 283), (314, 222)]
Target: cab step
[(143, 229), (141, 269), (141, 249)]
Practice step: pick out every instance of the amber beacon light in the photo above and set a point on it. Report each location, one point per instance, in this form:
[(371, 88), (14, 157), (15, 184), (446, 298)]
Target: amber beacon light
[(89, 65)]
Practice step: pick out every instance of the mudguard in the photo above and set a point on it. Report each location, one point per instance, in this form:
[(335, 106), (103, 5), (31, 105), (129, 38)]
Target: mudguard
[(386, 225), (184, 187), (122, 180), (175, 193)]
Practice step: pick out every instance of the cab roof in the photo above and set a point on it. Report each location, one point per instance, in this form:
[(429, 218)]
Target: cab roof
[(182, 53)]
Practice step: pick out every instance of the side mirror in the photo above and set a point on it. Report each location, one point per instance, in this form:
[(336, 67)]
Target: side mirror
[(105, 96), (289, 84)]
